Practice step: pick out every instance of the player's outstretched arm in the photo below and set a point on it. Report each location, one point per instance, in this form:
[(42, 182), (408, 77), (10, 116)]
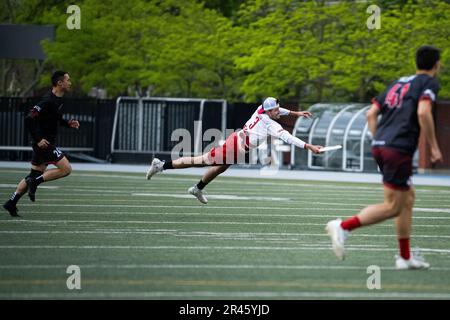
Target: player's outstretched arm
[(287, 112), (305, 114), (290, 139), (313, 148)]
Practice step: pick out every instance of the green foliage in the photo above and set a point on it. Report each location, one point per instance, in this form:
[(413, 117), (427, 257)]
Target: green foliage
[(296, 50), (316, 51), (167, 48)]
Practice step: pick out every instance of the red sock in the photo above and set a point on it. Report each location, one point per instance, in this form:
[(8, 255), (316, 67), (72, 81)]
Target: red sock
[(404, 248), (351, 223)]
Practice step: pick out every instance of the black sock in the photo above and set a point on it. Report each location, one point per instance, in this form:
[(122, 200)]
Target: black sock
[(15, 198), (168, 165), (201, 184), (39, 179)]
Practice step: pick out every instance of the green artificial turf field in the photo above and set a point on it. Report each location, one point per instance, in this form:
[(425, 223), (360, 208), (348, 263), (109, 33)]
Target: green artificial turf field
[(255, 239)]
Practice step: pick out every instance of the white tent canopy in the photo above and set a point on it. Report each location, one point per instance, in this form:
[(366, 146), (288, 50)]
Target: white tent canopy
[(333, 124)]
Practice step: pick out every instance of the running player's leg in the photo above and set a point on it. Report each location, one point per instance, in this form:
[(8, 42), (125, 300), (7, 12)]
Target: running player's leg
[(44, 156), (403, 221), (213, 172), (189, 162), (222, 158), (21, 189), (210, 174), (217, 156), (403, 224), (396, 168), (181, 163), (63, 169), (394, 201)]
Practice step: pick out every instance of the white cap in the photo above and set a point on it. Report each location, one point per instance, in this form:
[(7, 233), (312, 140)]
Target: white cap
[(270, 103)]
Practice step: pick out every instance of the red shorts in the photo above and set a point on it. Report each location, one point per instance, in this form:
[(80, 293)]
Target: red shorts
[(230, 152), (396, 167)]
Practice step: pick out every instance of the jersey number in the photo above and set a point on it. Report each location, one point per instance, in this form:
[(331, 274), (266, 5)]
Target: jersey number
[(394, 98), (57, 152), (254, 123)]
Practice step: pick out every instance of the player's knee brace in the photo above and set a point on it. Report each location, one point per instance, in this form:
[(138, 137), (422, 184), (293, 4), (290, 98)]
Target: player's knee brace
[(34, 174)]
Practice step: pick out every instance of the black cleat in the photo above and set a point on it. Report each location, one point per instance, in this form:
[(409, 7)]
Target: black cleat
[(32, 186), (11, 208)]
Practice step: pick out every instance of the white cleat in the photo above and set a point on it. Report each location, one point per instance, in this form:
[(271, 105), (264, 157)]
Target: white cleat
[(415, 261), (338, 237), (155, 167), (196, 192)]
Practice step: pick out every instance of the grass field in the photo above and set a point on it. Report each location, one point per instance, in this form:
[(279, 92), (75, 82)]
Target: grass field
[(255, 239)]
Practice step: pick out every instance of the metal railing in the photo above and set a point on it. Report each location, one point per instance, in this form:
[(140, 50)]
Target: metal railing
[(145, 125), (14, 136)]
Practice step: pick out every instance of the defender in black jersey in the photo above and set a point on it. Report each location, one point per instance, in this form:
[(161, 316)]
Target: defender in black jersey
[(42, 123), (406, 109)]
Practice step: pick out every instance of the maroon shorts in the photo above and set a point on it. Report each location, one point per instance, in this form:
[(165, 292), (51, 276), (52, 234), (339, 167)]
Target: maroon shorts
[(229, 153), (396, 167), (49, 155)]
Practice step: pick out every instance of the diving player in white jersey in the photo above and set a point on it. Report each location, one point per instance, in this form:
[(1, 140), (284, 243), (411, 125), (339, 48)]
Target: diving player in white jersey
[(255, 132)]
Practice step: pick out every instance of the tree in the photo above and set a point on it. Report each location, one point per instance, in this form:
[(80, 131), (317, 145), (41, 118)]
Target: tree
[(296, 50), (19, 76), (173, 49), (325, 51)]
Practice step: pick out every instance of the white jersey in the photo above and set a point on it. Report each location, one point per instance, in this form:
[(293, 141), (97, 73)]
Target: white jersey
[(260, 126)]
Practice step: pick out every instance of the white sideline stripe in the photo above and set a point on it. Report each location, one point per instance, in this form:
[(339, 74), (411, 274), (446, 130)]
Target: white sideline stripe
[(214, 214), (239, 181), (221, 197), (208, 248), (217, 214), (184, 206), (203, 266), (97, 198), (431, 210), (237, 235), (235, 197), (14, 186), (269, 186), (362, 200), (188, 222), (214, 207), (149, 231), (95, 194), (52, 222), (261, 238), (123, 189), (227, 294), (96, 201), (303, 184)]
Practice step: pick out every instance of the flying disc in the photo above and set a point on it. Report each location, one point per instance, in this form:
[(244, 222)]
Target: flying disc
[(331, 148)]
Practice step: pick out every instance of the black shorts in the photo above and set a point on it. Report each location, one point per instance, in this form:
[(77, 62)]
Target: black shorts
[(49, 155), (396, 167)]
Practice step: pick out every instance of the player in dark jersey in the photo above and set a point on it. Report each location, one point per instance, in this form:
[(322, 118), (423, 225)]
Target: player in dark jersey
[(406, 109), (42, 123)]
